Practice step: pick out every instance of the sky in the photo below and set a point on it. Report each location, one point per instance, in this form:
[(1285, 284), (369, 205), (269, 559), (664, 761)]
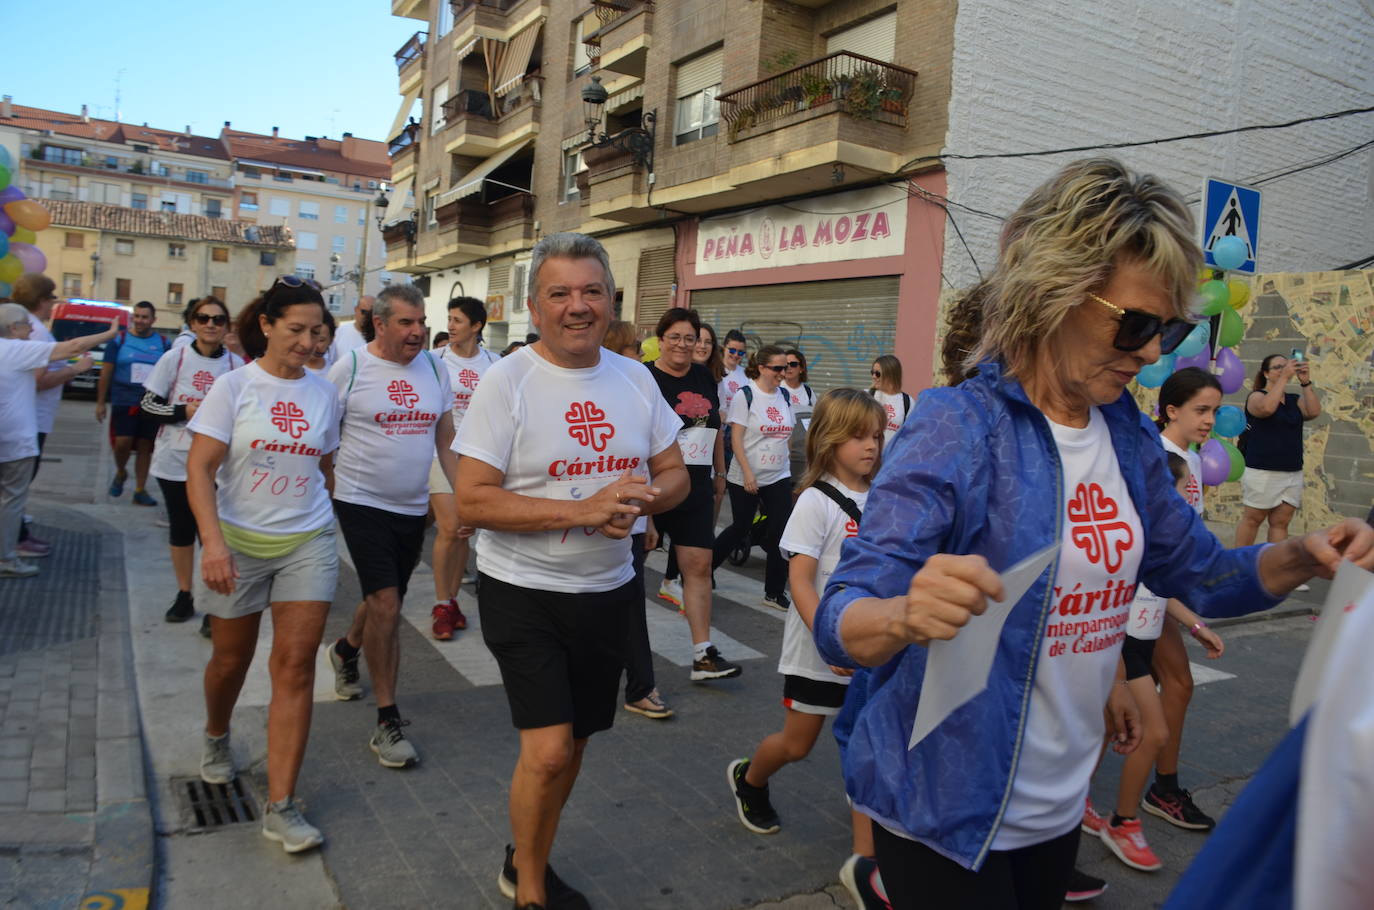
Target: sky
[(310, 67)]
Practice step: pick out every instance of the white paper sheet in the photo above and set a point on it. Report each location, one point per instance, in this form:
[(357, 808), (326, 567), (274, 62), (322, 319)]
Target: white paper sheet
[(958, 669), (1350, 585)]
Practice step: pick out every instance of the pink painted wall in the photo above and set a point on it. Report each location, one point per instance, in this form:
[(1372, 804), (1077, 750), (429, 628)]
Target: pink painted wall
[(918, 295)]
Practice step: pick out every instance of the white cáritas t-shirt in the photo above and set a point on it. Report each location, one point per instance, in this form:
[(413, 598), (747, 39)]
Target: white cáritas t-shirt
[(897, 410), (767, 426), (558, 433), (818, 528), (182, 376), (464, 373), (1093, 590), (1192, 492), (389, 412), (729, 386), (277, 430)]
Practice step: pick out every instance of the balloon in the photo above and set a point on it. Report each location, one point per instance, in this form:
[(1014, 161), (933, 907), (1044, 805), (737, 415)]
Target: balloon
[(11, 194), (7, 226), (30, 256), (6, 158), (1152, 376), (1214, 295), (1230, 253), (1240, 292), (1195, 340), (23, 235), (30, 214), (1216, 467), (1230, 421), (649, 350), (10, 269), (4, 245), (1237, 466), (1202, 360), (4, 176), (6, 288), (1231, 330), (1230, 372)]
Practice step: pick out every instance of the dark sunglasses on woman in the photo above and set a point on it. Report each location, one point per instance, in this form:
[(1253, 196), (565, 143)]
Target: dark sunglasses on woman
[(294, 281), (1135, 328), (209, 318)]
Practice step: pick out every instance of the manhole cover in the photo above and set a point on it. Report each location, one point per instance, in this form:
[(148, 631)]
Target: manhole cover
[(208, 806)]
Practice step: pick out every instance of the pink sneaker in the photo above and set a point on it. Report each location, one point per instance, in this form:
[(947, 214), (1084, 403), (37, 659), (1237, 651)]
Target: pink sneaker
[(1093, 823), (1127, 841)]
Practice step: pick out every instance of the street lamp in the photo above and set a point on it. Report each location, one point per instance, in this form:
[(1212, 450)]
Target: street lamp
[(638, 141), (381, 203)]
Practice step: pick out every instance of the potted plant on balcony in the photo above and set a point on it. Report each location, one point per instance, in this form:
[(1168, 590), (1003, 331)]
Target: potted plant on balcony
[(745, 117), (891, 101), (864, 92), (817, 89)]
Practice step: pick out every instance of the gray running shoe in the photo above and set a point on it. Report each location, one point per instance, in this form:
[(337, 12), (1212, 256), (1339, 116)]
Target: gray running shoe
[(284, 823), (346, 685), (17, 568), (217, 761), (392, 748)]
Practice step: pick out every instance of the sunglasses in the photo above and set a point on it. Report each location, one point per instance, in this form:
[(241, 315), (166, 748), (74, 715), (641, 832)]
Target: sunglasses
[(877, 374), (1136, 328), (208, 318), (776, 369), (738, 352), (792, 364), (293, 281)]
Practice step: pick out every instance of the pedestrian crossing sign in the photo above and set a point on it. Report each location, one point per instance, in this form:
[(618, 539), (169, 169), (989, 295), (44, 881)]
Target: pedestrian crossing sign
[(1230, 210)]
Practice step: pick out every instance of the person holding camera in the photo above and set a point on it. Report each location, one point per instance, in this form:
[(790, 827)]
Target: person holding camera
[(1272, 482)]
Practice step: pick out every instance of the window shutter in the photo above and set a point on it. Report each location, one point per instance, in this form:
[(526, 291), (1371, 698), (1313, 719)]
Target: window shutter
[(876, 38), (654, 289), (698, 73)]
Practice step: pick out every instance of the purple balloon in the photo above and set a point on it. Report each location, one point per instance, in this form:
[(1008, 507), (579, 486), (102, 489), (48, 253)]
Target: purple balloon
[(1202, 360), (1216, 464), (31, 256), (1230, 371), (10, 194), (7, 224)]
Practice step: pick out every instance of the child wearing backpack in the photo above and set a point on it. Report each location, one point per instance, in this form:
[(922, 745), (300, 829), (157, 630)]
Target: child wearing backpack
[(843, 449)]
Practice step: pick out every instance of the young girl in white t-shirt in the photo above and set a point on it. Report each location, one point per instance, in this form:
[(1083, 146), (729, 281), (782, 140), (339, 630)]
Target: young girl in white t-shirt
[(843, 450)]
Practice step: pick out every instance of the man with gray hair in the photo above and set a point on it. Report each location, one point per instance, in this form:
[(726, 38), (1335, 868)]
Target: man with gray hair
[(396, 416), (555, 459)]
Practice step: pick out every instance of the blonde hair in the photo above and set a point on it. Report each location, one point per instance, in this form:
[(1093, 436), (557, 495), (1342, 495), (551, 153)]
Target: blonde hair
[(1066, 240), (840, 415), (891, 368)]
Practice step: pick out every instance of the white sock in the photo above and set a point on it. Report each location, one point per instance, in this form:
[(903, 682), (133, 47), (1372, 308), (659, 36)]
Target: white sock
[(699, 650)]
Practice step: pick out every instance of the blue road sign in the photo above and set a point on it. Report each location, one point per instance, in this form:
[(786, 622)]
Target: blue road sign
[(1229, 209)]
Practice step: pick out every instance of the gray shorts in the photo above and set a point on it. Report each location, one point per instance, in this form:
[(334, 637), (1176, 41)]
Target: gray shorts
[(308, 572)]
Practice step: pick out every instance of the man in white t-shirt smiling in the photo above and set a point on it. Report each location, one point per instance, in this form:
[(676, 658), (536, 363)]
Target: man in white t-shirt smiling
[(394, 398), (556, 454)]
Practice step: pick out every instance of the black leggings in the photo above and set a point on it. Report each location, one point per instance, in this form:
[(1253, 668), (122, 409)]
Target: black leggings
[(1031, 878), (181, 523), (777, 505)]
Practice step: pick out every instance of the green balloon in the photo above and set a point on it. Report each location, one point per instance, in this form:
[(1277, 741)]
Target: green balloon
[(4, 177), (1215, 297), (1232, 328), (1237, 460)]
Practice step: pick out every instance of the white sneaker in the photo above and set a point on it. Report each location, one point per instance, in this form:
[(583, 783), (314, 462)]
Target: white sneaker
[(671, 591), (469, 578), (217, 760), (1302, 589), (284, 823), (17, 568)]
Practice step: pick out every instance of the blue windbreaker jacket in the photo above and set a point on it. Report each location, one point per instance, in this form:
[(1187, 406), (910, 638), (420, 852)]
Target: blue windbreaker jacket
[(976, 470)]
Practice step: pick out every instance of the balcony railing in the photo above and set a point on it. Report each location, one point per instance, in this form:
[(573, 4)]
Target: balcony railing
[(477, 102), (853, 83), (407, 137), (411, 51), (462, 6)]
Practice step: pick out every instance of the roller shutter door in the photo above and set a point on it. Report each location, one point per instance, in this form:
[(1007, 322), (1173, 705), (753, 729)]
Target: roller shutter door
[(841, 326), (876, 38), (654, 289)]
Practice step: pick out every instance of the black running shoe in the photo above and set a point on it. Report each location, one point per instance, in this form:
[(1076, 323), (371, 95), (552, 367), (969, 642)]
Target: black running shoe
[(182, 609), (751, 803), (1177, 808), (1083, 887), (205, 626), (558, 894)]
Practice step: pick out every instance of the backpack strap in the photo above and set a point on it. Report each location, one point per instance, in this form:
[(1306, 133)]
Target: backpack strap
[(428, 357), (748, 391), (850, 507), (810, 395), (352, 377), (906, 406)]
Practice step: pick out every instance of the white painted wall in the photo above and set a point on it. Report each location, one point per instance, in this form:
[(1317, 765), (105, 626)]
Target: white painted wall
[(1065, 73)]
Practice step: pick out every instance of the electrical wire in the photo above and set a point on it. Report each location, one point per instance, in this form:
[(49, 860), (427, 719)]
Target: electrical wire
[(915, 189), (1357, 264)]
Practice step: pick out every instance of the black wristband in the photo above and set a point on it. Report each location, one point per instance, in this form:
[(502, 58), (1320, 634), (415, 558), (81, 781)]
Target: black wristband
[(1304, 384)]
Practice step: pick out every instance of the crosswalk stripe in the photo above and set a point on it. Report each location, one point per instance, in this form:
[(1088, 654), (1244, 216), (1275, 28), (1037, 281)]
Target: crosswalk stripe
[(671, 639), (1204, 675), (731, 585)]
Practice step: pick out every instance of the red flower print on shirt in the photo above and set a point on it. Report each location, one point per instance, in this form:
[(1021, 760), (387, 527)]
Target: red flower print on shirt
[(202, 380), (774, 415), (402, 393), (588, 425), (692, 404), (1097, 529), (288, 417), (468, 378)]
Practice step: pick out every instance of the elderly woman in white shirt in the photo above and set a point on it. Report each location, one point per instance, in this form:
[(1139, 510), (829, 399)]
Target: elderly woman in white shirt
[(19, 357)]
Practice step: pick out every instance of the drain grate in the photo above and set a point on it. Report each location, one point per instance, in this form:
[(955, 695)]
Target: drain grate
[(207, 806)]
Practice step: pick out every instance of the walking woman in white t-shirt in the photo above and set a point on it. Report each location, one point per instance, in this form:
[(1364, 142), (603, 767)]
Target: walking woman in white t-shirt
[(887, 389), (760, 419), (172, 394), (267, 434)]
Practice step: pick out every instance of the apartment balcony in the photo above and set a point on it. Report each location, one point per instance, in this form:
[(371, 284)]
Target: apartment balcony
[(502, 19), (616, 187), (139, 170), (404, 151), (625, 35), (399, 237), (469, 229), (410, 9), (474, 129), (410, 62)]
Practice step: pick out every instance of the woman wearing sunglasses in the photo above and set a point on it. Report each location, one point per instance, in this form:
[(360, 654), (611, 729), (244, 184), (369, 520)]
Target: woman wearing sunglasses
[(887, 391), (172, 394), (1043, 448)]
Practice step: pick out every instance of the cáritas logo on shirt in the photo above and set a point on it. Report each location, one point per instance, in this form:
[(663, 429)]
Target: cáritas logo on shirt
[(588, 426), (288, 417), (776, 424), (408, 422)]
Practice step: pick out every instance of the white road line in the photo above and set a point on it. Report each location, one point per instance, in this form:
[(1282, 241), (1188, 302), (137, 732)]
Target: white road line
[(670, 638), (1204, 675)]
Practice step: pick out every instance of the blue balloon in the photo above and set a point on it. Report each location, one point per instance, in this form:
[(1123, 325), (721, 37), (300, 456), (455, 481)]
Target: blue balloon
[(1230, 421), (6, 288), (1195, 340), (1230, 253), (1152, 375), (4, 246)]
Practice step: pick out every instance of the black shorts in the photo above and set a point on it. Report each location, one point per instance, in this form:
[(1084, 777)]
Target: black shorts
[(691, 523), (181, 523), (811, 696), (560, 654), (384, 546), (128, 420), (1136, 654)]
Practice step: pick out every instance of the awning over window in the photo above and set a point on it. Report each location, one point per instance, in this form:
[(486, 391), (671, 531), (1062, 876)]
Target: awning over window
[(407, 105), (474, 179), (515, 59), (397, 207)]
